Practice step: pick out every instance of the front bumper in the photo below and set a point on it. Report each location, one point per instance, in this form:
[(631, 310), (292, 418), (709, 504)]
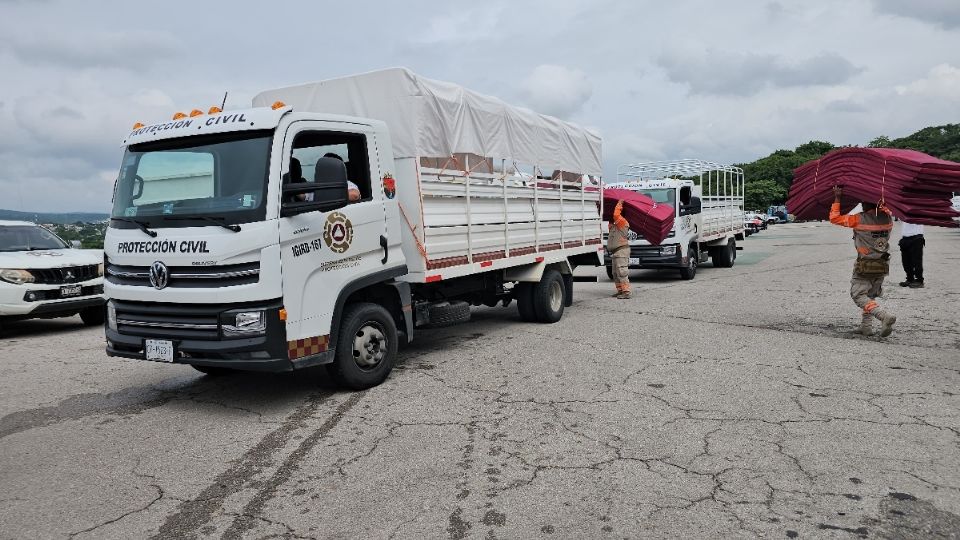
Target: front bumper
[(266, 352), (650, 257), (46, 300)]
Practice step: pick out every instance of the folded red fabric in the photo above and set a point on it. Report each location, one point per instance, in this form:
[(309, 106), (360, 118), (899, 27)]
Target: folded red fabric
[(649, 219), (914, 186)]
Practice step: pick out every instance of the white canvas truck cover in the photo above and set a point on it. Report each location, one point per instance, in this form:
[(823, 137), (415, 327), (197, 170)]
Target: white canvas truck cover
[(429, 118)]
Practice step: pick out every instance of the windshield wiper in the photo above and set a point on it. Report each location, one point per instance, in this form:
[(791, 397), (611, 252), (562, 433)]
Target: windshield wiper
[(141, 225), (216, 220)]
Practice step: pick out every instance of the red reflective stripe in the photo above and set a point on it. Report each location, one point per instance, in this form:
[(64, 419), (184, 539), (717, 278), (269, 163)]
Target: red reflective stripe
[(431, 279), (864, 227), (871, 305), (484, 264)]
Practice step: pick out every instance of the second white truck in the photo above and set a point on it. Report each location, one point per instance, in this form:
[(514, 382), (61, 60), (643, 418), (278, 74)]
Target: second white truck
[(708, 201), (327, 222)]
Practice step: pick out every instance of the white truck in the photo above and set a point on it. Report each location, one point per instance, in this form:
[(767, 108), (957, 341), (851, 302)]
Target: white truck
[(708, 201), (234, 244)]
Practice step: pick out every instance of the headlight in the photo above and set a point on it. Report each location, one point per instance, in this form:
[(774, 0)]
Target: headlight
[(111, 315), (100, 270), (17, 277), (668, 250), (244, 323)]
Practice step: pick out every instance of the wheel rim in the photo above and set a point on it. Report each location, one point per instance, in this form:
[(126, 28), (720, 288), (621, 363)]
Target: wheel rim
[(556, 296), (369, 346)]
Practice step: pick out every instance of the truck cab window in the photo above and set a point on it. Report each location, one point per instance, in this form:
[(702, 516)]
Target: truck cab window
[(350, 148)]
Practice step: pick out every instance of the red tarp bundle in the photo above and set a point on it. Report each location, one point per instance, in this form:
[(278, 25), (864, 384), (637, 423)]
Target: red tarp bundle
[(915, 187), (651, 220)]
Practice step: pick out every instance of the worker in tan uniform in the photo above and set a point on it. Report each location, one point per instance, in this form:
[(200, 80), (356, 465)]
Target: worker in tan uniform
[(618, 245), (871, 237)]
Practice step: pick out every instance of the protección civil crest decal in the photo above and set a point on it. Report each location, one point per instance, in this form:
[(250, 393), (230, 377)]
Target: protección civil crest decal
[(338, 232)]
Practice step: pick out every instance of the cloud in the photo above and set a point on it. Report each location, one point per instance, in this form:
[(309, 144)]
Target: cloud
[(942, 13), (121, 50), (943, 81), (557, 90), (712, 71)]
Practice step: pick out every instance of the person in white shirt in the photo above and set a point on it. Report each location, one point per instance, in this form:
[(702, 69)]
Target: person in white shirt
[(911, 253)]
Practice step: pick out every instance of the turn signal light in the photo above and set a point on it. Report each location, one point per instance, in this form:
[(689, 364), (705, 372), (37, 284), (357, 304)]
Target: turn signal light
[(278, 105), (283, 314), (214, 110), (196, 112), (138, 125), (179, 115)]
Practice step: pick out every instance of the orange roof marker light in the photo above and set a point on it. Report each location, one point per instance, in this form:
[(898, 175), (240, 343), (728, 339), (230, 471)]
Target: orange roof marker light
[(179, 115), (214, 110), (278, 105), (138, 125), (196, 112)]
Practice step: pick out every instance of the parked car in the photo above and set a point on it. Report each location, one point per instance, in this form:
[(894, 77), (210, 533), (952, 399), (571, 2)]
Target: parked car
[(42, 276), (751, 223)]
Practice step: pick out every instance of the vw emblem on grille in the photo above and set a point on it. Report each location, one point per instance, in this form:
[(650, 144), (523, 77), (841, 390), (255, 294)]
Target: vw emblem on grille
[(159, 275)]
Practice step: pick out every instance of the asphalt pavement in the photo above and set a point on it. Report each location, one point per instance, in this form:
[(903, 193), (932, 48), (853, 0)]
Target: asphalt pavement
[(738, 404)]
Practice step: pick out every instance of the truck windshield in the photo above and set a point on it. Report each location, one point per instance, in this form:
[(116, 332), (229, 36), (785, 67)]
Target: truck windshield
[(666, 196), (28, 238), (222, 177)]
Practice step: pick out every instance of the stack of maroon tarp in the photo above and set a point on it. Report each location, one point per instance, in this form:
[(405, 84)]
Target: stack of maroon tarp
[(649, 219), (916, 187)]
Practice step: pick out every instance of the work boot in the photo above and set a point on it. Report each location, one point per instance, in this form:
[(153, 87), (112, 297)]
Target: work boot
[(916, 285), (906, 283), (887, 319), (866, 325), (625, 295)]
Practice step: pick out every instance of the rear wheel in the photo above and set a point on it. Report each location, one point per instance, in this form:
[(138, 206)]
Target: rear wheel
[(723, 256), (93, 316), (693, 260), (549, 297), (366, 348), (524, 294)]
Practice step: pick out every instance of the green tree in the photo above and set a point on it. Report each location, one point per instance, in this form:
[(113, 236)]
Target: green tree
[(880, 142), (761, 193)]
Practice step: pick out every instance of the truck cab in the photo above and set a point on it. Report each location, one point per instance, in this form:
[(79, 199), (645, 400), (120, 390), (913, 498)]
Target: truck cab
[(233, 242), (705, 225)]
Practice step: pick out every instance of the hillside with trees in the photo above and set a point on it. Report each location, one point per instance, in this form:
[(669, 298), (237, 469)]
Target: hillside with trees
[(768, 179)]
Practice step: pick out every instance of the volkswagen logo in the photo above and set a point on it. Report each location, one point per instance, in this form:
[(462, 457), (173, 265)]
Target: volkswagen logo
[(159, 275)]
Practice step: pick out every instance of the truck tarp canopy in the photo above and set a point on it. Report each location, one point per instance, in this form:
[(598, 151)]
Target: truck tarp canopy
[(434, 119)]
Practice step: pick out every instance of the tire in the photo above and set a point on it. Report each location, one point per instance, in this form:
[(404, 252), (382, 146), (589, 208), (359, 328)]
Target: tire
[(548, 297), (723, 256), (693, 260), (211, 371), (524, 295), (610, 272), (366, 348), (449, 314), (93, 316)]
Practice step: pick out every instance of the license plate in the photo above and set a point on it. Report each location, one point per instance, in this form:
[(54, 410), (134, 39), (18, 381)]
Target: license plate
[(69, 290), (160, 350), (634, 260)]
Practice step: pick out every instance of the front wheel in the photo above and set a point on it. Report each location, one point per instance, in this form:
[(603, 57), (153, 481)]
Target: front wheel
[(366, 348), (693, 259), (93, 316)]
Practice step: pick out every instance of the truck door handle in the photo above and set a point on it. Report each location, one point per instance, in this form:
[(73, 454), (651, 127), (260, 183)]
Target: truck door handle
[(386, 251)]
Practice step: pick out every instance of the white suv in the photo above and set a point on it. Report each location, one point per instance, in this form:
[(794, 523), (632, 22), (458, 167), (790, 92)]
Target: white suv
[(41, 276)]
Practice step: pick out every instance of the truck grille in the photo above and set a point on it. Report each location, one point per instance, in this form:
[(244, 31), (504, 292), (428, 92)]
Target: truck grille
[(188, 276), (69, 274), (168, 321)]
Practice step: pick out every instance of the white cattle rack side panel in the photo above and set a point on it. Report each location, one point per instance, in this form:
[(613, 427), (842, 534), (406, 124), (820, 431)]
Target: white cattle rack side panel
[(721, 187), (473, 222)]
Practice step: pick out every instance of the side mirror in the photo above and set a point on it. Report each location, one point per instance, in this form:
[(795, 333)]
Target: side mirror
[(693, 207), (75, 244), (328, 191)]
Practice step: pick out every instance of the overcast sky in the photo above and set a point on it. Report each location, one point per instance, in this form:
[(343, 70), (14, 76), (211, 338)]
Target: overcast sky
[(726, 81)]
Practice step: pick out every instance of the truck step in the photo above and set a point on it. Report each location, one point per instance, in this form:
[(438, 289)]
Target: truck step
[(586, 279)]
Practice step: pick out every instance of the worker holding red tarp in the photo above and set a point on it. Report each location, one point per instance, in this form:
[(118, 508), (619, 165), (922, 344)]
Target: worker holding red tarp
[(618, 245), (871, 237)]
